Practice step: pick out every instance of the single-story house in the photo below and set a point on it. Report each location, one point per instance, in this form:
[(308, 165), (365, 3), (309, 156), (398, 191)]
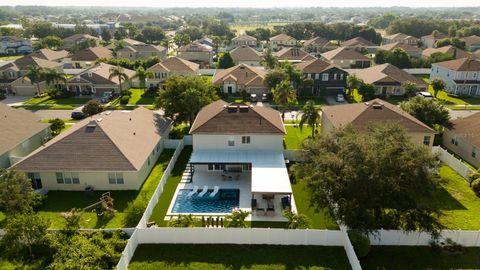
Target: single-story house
[(241, 77), (197, 53), (71, 41), (86, 58), (137, 51), (173, 66), (50, 55), (412, 51), (113, 150), (281, 40), (318, 45), (359, 44), (246, 55), (429, 41), (463, 138), (244, 40), (472, 43), (400, 38), (347, 58), (293, 55), (449, 49)]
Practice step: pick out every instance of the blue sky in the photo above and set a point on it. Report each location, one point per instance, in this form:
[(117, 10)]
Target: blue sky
[(252, 3)]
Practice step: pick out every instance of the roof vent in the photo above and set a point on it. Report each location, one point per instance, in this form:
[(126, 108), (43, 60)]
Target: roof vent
[(243, 109), (377, 106), (99, 119), (108, 112), (232, 109), (366, 103)]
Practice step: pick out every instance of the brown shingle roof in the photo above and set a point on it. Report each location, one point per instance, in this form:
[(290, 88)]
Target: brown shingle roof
[(357, 41), (471, 40), (374, 74), (399, 36), (92, 54), (315, 66), (463, 64), (175, 64), (100, 74), (344, 53), (77, 37), (50, 55), (143, 48), (244, 37), (468, 128), (318, 41), (215, 118), (17, 126), (110, 141), (437, 37), (395, 45), (195, 47), (282, 37), (361, 115), (243, 73), (291, 53), (24, 62), (446, 49), (245, 53)]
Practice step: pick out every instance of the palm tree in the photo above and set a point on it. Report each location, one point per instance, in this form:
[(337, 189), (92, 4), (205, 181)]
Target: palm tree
[(35, 74), (310, 116), (296, 221), (53, 76), (119, 73), (142, 75), (353, 83), (283, 95), (237, 219), (269, 60)]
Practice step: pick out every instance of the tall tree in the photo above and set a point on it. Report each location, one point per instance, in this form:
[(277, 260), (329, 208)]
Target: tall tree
[(52, 76), (367, 91), (410, 88), (284, 95), (152, 34), (225, 61), (437, 85), (16, 192), (275, 77), (35, 74), (51, 42), (142, 75), (118, 72), (269, 60), (353, 82), (181, 39), (310, 116), (429, 111), (355, 176)]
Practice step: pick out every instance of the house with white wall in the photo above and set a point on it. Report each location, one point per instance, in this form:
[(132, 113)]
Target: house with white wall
[(462, 76), (241, 77), (11, 45), (281, 40), (173, 66), (113, 150)]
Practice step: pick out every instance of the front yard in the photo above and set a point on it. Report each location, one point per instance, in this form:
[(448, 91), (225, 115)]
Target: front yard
[(295, 136), (47, 102), (413, 258), (61, 201), (450, 99), (140, 98), (238, 257)]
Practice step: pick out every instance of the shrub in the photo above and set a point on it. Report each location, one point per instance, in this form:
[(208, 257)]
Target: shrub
[(126, 93), (56, 126), (134, 212), (124, 100), (53, 92), (476, 187), (92, 107), (360, 242), (183, 221), (2, 96)]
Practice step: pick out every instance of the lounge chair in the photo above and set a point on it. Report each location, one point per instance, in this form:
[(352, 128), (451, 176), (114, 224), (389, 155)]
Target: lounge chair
[(254, 204), (260, 211), (195, 190), (215, 191), (204, 190)]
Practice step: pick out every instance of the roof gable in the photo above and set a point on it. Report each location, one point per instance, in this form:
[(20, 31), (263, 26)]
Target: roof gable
[(344, 53)]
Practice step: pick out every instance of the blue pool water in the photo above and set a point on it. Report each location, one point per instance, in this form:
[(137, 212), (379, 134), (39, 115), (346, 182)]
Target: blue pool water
[(223, 202)]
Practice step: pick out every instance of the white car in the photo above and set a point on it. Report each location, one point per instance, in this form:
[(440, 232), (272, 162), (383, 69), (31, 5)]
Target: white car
[(425, 95), (340, 98)]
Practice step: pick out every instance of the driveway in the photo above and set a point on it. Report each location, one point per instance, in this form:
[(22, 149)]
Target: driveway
[(15, 100), (333, 101), (454, 114)]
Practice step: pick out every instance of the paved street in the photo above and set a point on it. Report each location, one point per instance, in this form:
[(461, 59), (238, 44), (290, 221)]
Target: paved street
[(52, 114)]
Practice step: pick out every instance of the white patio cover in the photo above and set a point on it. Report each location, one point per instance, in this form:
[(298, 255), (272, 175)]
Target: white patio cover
[(269, 174)]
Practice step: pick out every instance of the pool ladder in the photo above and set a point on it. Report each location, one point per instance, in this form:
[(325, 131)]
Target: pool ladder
[(187, 174)]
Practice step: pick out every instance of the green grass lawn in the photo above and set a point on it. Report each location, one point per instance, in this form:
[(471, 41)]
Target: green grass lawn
[(169, 189), (138, 97), (46, 100), (179, 131), (61, 201), (416, 258), (459, 205), (469, 107), (319, 220), (450, 99), (295, 136), (238, 257), (10, 57), (357, 98), (207, 78)]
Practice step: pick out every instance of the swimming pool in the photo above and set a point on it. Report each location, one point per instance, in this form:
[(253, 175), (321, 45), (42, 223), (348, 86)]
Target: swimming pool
[(223, 202)]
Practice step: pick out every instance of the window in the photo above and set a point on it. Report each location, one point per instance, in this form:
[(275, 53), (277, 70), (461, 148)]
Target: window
[(247, 167), (325, 77), (158, 147), (115, 178), (426, 140), (216, 167), (474, 152), (36, 180), (335, 76), (231, 141), (317, 76), (341, 76), (455, 141), (245, 139), (148, 161), (67, 178)]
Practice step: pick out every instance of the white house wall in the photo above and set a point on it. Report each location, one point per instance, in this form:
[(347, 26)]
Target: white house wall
[(220, 142)]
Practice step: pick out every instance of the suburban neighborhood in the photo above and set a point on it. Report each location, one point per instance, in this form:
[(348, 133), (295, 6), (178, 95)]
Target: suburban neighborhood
[(238, 136)]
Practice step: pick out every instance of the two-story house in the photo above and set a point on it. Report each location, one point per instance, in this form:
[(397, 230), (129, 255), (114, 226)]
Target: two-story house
[(139, 51), (318, 45), (328, 79), (462, 76), (347, 58), (400, 38), (11, 45), (412, 51), (198, 53), (241, 77), (50, 55), (70, 42), (359, 44), (472, 43), (246, 55), (282, 40), (430, 41), (454, 52), (173, 66), (113, 150), (86, 58), (244, 40)]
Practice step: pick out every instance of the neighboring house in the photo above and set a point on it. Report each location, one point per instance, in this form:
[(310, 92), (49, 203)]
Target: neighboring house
[(87, 57), (293, 55), (12, 80), (238, 151), (462, 76), (206, 41), (400, 38), (173, 66), (282, 40), (462, 138), (113, 150), (412, 51), (244, 40), (472, 43), (328, 79), (388, 79), (318, 45), (198, 53), (241, 77), (10, 45), (96, 81), (246, 55), (50, 55), (347, 58), (126, 42), (449, 49), (21, 133), (360, 44), (139, 51), (429, 41), (73, 40), (363, 115)]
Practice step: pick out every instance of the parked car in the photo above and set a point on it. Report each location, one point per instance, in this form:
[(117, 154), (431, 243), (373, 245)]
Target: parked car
[(425, 95), (264, 98), (78, 115), (340, 98), (107, 97), (253, 97)]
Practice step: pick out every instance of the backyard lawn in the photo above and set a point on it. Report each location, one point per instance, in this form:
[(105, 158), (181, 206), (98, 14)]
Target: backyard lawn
[(169, 189), (295, 136), (451, 99), (238, 257), (357, 98), (61, 201), (138, 97), (413, 258), (46, 100), (459, 205)]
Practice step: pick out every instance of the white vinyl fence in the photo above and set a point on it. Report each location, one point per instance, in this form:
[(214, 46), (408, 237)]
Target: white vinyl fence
[(453, 162), (128, 252), (402, 238), (208, 71)]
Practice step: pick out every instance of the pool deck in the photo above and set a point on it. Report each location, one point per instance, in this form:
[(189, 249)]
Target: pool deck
[(212, 179)]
